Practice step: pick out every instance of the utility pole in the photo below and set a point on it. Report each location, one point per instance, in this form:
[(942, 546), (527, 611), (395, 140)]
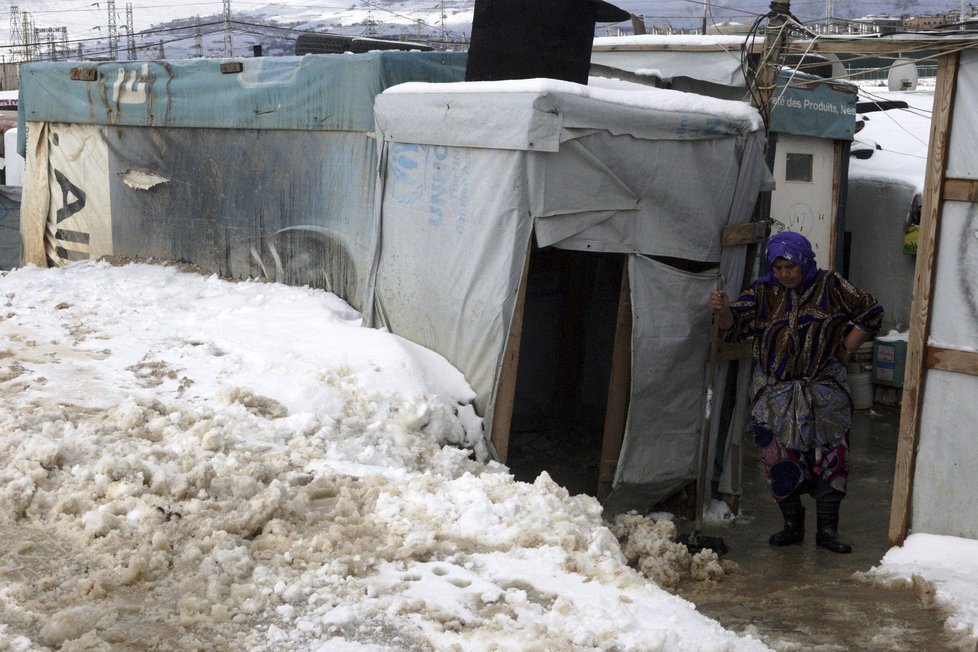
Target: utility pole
[(770, 65), (370, 25), (227, 28), (129, 32), (444, 28), (198, 41), (113, 33), (25, 18), (16, 37)]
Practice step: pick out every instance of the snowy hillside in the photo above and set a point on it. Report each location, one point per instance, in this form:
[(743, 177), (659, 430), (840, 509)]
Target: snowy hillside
[(187, 29)]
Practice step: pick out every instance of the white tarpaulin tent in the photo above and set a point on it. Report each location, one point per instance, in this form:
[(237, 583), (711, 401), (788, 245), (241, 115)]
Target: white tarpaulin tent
[(180, 164), (469, 171), (936, 461)]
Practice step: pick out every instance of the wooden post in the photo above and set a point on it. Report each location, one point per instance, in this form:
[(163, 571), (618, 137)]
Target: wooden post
[(927, 244), (770, 65), (502, 414), (618, 388)]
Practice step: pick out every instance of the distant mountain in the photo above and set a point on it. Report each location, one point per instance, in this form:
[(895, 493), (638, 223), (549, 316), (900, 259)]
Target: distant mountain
[(61, 30)]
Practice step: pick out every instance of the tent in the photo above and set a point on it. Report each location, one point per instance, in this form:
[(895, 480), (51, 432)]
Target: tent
[(269, 168), (811, 123), (936, 462), (470, 172), (261, 167), (886, 184)]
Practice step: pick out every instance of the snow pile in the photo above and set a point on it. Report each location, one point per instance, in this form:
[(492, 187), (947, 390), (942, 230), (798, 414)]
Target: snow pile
[(942, 571), (650, 546), (190, 463)]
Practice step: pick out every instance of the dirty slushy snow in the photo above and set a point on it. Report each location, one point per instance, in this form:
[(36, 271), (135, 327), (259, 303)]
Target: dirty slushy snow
[(189, 463)]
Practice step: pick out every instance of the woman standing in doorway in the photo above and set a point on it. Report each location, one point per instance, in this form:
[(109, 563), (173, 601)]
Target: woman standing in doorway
[(805, 322)]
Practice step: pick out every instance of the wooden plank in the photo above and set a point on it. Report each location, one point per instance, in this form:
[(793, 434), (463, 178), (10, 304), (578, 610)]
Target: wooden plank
[(743, 234), (962, 362), (618, 389), (502, 414), (879, 45), (927, 243), (961, 190)]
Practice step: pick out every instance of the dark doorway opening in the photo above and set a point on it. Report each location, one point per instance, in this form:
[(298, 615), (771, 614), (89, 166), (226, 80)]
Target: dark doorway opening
[(562, 381)]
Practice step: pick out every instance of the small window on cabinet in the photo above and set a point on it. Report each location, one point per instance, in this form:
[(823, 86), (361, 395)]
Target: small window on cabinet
[(798, 167)]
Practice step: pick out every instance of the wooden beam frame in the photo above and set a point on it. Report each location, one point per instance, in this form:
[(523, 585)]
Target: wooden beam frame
[(621, 381), (879, 45), (961, 190), (744, 234), (502, 414), (927, 245), (945, 359)]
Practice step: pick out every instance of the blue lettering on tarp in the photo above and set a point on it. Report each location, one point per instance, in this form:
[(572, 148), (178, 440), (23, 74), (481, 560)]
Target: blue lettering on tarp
[(460, 197), (406, 165), (434, 178), (439, 186), (683, 128)]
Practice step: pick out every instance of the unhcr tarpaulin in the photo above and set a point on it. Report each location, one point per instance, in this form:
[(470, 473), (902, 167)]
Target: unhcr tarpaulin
[(273, 171), (267, 172), (469, 171)]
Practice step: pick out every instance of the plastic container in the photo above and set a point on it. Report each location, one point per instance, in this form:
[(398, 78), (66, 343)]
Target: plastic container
[(864, 354), (889, 360), (861, 388)]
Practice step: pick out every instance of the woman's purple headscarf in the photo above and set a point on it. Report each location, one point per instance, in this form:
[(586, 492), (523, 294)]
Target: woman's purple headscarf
[(794, 247)]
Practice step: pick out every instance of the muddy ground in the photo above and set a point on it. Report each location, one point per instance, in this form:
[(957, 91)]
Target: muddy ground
[(800, 597), (807, 598)]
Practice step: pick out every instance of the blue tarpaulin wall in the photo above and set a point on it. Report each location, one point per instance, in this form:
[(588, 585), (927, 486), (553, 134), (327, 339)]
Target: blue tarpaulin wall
[(269, 172)]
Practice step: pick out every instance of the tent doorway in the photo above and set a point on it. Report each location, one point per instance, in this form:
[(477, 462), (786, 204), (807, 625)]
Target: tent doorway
[(569, 321)]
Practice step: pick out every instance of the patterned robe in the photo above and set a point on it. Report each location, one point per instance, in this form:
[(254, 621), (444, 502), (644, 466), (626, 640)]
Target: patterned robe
[(801, 408)]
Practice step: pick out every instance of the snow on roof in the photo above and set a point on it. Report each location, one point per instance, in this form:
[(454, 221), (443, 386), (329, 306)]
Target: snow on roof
[(638, 96), (897, 137), (653, 41)]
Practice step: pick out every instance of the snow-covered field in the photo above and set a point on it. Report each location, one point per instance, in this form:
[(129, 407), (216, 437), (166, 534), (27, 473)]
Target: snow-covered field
[(190, 463)]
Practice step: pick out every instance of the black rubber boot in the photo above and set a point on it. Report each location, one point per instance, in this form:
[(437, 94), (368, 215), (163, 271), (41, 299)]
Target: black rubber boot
[(827, 517), (794, 522)]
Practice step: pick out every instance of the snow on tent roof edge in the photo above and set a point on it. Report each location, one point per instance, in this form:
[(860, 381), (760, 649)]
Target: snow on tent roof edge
[(718, 41), (642, 97)]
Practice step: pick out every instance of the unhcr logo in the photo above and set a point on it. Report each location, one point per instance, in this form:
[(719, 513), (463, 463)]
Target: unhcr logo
[(405, 164), (430, 179), (419, 175)]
